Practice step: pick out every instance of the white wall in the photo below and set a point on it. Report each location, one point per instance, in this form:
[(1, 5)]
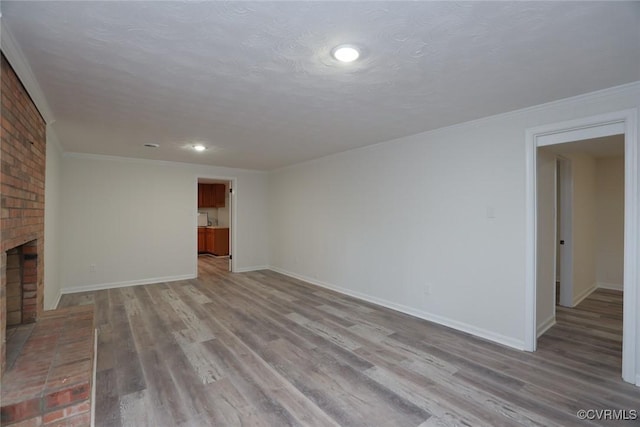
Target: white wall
[(546, 240), (583, 168), (404, 223), (610, 222), (135, 221), (52, 221)]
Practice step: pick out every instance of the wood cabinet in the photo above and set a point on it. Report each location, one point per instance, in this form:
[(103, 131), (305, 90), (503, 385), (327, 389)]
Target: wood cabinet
[(211, 195), (213, 240), (202, 240), (220, 244), (219, 193)]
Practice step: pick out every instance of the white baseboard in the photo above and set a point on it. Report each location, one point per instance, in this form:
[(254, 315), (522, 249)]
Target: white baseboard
[(461, 326), (546, 325), (577, 300), (103, 286), (248, 269), (55, 306), (611, 286)]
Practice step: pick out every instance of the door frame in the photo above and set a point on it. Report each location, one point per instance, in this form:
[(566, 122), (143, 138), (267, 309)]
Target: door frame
[(566, 225), (233, 218), (625, 122)]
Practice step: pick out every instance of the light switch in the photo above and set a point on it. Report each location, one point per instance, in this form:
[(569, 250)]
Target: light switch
[(491, 213)]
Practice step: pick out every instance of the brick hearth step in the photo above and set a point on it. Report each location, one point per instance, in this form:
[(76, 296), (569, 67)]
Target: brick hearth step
[(51, 381)]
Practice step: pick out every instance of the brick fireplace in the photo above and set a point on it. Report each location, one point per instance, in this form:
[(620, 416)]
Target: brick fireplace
[(48, 374), (22, 180)]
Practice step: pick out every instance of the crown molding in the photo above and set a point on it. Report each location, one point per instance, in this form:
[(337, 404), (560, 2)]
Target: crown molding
[(20, 65), (143, 161)]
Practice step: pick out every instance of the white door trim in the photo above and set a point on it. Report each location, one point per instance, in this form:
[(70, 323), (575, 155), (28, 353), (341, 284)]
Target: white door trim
[(601, 125)]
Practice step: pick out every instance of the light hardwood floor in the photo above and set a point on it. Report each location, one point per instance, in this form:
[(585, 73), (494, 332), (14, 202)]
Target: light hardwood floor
[(263, 349)]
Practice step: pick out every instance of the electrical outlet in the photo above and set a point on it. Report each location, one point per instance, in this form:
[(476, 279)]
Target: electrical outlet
[(427, 290), (92, 268), (491, 212)]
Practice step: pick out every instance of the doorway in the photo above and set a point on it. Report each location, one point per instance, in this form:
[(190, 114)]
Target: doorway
[(580, 249), (623, 122), (215, 212)]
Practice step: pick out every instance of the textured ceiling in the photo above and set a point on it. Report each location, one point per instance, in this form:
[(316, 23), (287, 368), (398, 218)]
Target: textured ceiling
[(255, 82)]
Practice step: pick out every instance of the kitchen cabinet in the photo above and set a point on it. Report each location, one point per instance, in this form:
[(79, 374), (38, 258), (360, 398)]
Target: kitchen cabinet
[(202, 245), (219, 193), (211, 195), (213, 240), (218, 241)]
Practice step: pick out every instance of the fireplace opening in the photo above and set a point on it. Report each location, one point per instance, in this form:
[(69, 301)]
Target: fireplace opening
[(22, 284), (21, 295)]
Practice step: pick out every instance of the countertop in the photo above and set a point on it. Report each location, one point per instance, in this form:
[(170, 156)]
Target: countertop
[(211, 226)]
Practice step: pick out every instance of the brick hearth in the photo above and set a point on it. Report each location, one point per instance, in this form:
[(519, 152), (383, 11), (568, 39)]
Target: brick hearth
[(50, 381)]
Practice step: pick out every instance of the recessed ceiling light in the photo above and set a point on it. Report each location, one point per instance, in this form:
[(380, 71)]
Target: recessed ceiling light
[(152, 145), (199, 147), (345, 53)]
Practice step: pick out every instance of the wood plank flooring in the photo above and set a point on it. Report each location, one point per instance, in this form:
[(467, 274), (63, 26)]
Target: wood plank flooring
[(262, 349)]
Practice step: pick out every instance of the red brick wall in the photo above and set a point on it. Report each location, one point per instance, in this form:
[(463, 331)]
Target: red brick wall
[(22, 158)]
